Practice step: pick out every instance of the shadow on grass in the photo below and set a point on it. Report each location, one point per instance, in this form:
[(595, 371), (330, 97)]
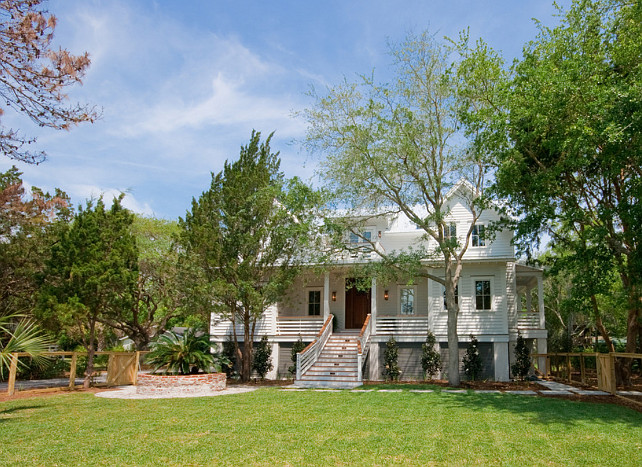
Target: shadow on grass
[(15, 409)]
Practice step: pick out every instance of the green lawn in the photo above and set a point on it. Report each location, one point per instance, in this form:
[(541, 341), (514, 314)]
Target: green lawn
[(272, 427)]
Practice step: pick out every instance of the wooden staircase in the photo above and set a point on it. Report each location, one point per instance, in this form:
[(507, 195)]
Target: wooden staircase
[(336, 366)]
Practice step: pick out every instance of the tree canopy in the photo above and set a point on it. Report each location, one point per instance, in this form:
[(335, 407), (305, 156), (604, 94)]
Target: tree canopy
[(34, 77)]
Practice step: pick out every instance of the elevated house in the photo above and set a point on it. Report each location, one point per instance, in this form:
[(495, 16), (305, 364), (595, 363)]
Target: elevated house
[(494, 295)]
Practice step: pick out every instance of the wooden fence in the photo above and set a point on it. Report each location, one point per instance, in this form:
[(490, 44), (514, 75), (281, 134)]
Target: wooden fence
[(604, 366), (122, 367)]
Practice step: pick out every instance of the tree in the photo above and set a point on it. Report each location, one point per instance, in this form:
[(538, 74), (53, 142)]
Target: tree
[(246, 237), (92, 272), (262, 361), (159, 295), (398, 149), (182, 355), (430, 358), (34, 77), (522, 363), (472, 361), (568, 143)]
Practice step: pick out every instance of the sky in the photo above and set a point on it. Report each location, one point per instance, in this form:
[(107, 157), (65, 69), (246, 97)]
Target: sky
[(182, 84)]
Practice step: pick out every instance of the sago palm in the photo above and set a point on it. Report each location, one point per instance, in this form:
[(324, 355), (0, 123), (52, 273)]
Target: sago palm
[(181, 354)]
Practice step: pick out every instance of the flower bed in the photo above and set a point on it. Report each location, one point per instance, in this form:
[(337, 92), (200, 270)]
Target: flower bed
[(180, 384)]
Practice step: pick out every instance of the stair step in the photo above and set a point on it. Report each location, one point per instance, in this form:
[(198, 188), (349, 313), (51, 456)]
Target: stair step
[(328, 378)]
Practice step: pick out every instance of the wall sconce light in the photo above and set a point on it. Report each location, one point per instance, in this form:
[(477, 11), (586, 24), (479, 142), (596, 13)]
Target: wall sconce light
[(385, 295), (334, 296)]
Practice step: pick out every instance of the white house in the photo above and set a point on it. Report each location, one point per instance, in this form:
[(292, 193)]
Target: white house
[(494, 296)]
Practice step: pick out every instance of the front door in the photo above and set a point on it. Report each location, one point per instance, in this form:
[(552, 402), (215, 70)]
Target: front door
[(357, 306)]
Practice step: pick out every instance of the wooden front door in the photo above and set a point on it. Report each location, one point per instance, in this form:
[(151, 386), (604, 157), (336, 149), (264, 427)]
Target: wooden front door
[(357, 306)]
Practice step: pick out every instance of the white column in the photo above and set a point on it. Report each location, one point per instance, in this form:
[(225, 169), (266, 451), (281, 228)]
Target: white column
[(501, 360), (373, 357), (326, 296), (272, 374), (373, 307), (542, 348), (540, 302)]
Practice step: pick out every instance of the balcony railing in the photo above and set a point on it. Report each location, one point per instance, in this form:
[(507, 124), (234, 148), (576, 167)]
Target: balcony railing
[(402, 325)]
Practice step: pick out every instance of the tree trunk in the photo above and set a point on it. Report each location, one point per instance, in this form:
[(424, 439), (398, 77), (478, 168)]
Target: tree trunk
[(246, 360), (600, 326), (453, 338)]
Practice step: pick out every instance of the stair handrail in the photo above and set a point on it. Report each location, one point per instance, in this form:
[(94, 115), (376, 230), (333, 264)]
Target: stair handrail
[(308, 356), (362, 343)]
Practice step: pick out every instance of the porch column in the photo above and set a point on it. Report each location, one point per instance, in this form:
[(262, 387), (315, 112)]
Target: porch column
[(541, 348), (373, 307), (501, 361), (274, 372), (373, 357), (540, 302), (326, 296)]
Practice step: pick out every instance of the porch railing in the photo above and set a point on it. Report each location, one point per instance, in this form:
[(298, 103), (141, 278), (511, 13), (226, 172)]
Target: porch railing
[(528, 320), (402, 325), (302, 325), (308, 356), (362, 345)]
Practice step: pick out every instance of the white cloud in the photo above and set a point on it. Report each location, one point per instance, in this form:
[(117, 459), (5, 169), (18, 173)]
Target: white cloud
[(108, 195)]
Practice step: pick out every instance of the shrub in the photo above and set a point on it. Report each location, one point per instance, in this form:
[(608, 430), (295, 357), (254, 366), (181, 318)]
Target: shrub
[(472, 360), (297, 347), (430, 358), (391, 369), (181, 354), (522, 363), (262, 358), (229, 354)]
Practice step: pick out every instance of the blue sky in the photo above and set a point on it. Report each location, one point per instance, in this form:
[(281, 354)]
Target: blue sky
[(182, 84)]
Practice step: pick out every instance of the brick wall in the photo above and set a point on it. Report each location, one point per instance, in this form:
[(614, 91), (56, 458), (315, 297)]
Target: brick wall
[(181, 384)]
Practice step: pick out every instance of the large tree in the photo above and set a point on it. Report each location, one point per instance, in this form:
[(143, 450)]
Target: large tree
[(34, 76), (91, 274), (569, 144), (246, 236), (398, 148), (159, 294)]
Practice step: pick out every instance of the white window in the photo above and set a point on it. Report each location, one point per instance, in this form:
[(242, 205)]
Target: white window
[(478, 235), (456, 296), (407, 300), (314, 302), (483, 295), (450, 232), (363, 237)]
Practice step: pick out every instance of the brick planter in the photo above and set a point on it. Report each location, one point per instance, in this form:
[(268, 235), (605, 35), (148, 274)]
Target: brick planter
[(180, 384)]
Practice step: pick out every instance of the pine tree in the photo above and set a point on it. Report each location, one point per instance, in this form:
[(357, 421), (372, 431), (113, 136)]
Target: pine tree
[(391, 369), (262, 358), (522, 358), (430, 358), (473, 364)]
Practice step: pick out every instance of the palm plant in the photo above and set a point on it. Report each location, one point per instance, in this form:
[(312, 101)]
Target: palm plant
[(25, 336), (181, 354)]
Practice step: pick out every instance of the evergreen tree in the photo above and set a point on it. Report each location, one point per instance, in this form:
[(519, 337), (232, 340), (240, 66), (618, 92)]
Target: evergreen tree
[(430, 358), (391, 371), (262, 358), (522, 358), (92, 272), (473, 364), (245, 238), (297, 347)]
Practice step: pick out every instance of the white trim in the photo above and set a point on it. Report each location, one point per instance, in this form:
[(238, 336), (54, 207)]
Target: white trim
[(414, 299)]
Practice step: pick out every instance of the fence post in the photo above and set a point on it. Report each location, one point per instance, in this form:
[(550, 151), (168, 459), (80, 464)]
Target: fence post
[(298, 366), (11, 386), (72, 371), (569, 368), (548, 366), (582, 369), (136, 367)]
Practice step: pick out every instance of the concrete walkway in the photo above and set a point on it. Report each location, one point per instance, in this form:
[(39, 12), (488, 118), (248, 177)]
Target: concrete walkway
[(129, 392)]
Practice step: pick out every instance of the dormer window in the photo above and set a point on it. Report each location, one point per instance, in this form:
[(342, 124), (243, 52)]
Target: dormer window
[(478, 235)]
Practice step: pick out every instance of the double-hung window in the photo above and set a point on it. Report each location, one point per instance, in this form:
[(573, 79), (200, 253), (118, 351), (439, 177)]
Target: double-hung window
[(362, 237), (483, 296), (314, 302), (478, 235), (450, 232), (407, 300)]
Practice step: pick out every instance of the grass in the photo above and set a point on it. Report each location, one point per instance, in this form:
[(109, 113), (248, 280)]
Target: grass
[(272, 427)]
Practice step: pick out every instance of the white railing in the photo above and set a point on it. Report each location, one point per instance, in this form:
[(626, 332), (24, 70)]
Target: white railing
[(526, 320), (221, 328), (300, 325), (402, 325), (308, 356), (363, 345)]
